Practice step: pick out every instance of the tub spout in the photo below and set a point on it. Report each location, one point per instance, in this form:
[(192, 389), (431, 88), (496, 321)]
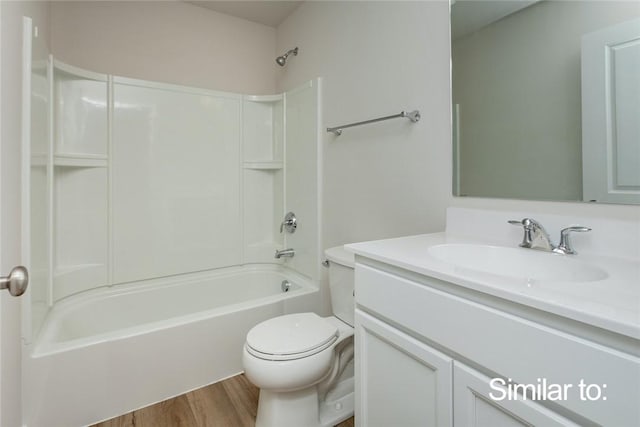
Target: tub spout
[(289, 253)]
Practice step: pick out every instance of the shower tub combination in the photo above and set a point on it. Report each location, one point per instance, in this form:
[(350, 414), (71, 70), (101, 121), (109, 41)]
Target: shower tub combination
[(111, 350), (152, 180)]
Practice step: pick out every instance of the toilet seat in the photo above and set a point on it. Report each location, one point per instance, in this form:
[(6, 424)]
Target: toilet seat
[(290, 337)]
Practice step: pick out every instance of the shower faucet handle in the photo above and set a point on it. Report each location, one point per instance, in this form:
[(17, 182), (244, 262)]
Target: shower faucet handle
[(290, 223)]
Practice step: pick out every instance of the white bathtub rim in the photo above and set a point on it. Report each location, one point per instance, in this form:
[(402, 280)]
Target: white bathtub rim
[(175, 280), (44, 346)]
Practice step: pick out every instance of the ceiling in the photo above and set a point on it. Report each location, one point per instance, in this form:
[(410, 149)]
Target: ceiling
[(468, 16), (266, 12)]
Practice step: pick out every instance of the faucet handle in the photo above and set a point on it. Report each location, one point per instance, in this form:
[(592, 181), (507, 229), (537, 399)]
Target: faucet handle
[(289, 223), (527, 223), (565, 243), (574, 228), (527, 238)]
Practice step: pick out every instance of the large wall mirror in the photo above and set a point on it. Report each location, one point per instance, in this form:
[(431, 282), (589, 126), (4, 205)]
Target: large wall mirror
[(546, 100)]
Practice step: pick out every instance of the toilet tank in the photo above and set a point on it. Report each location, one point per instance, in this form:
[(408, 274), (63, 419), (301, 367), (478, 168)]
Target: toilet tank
[(341, 283)]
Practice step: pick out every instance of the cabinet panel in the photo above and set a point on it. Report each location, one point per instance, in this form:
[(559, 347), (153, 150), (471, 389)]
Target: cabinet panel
[(399, 380), (509, 345), (477, 404)]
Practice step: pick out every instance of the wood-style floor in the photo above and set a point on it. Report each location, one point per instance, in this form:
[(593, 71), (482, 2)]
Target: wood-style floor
[(229, 403)]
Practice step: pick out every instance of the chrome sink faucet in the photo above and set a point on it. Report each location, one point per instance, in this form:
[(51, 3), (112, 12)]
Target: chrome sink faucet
[(536, 237), (289, 253)]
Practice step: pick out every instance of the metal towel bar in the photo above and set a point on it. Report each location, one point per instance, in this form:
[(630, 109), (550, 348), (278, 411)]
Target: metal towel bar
[(414, 116)]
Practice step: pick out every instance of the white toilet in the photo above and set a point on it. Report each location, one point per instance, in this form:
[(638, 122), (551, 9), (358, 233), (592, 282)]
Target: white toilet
[(303, 363)]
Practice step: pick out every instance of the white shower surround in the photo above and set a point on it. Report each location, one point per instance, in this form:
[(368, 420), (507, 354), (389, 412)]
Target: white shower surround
[(109, 351), (147, 179)]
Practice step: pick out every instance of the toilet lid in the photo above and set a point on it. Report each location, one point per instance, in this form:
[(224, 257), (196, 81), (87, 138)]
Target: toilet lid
[(291, 336)]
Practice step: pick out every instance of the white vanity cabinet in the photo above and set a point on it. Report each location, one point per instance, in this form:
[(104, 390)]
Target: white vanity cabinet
[(475, 406), (427, 350), (402, 381)]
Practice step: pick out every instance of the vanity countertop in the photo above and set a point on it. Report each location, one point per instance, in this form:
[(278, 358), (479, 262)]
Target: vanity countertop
[(611, 303)]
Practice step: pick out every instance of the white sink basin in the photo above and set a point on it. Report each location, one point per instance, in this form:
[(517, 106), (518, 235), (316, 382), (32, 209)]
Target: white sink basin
[(528, 264)]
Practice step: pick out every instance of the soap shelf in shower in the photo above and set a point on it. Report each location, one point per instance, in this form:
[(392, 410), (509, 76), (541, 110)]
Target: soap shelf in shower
[(266, 165), (80, 161), (264, 98)]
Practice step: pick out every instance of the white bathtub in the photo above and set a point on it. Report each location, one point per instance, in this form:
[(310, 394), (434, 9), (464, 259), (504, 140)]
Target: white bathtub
[(109, 351)]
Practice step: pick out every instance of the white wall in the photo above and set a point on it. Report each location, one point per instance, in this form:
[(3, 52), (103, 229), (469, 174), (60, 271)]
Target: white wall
[(10, 89), (391, 178), (166, 41), (377, 58)]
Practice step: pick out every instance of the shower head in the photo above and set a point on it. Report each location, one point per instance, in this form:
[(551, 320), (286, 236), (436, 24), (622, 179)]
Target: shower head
[(281, 60)]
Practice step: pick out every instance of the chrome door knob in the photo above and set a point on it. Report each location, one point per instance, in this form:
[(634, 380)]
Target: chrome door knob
[(16, 282)]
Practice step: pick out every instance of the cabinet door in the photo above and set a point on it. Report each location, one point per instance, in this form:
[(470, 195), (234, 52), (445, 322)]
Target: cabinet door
[(399, 380), (475, 406)]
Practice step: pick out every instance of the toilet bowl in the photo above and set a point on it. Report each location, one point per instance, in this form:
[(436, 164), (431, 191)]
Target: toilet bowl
[(303, 363)]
